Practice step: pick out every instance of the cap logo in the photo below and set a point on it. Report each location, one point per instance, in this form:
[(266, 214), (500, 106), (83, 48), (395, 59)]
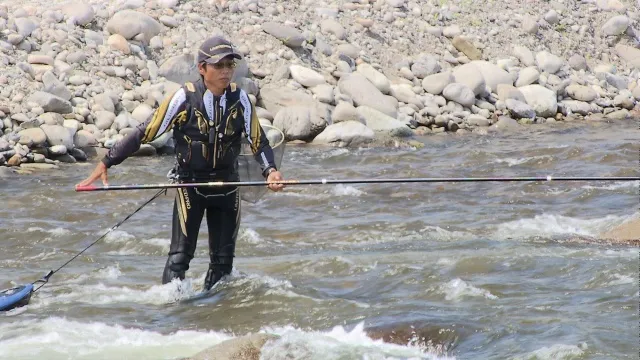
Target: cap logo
[(220, 47)]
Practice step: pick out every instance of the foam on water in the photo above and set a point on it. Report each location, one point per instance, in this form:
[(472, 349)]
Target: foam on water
[(101, 294), (518, 161), (249, 236), (55, 232), (346, 190), (58, 338), (392, 234), (337, 343), (457, 289), (108, 273), (550, 225), (621, 280), (118, 236), (555, 352), (614, 186)]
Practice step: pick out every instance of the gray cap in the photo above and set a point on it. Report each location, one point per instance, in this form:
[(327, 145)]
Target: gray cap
[(215, 49)]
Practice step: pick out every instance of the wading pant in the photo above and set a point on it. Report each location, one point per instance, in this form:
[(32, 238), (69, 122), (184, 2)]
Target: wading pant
[(223, 220)]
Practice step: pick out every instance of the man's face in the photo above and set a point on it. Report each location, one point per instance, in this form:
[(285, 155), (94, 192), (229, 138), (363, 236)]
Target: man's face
[(218, 74)]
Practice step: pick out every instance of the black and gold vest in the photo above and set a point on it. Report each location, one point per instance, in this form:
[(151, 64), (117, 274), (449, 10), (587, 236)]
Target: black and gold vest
[(208, 140)]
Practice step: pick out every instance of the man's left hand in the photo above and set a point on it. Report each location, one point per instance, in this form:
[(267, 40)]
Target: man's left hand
[(275, 176)]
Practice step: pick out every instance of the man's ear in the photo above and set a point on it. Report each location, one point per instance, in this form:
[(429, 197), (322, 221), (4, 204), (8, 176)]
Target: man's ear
[(202, 68)]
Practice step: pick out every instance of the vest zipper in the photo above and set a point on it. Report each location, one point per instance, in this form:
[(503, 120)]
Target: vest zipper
[(213, 130)]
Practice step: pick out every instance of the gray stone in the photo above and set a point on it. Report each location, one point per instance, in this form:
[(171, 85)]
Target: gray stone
[(288, 35), (543, 101), (383, 123), (344, 111), (527, 76), (104, 119), (520, 109), (435, 84), (299, 123), (246, 347), (331, 26), (51, 103), (179, 69), (477, 120), (363, 92), (581, 93), (467, 48), (345, 133), (460, 93), (33, 137), (425, 66), (470, 75), (58, 135), (54, 86), (324, 93), (629, 54), (506, 123), (142, 113), (378, 79), (615, 26), (492, 74), (57, 150), (84, 138), (305, 76), (79, 13), (134, 25), (568, 107), (25, 26), (578, 62), (548, 62)]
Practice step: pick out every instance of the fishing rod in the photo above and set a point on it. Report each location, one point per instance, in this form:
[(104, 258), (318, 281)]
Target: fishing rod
[(21, 295), (354, 181)]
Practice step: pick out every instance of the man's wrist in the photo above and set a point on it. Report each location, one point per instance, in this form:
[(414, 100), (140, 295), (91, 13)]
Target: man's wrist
[(269, 171)]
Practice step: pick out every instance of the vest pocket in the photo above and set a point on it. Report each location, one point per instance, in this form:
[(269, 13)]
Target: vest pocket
[(192, 154)]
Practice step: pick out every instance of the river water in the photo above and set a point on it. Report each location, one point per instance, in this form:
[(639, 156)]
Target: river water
[(464, 270)]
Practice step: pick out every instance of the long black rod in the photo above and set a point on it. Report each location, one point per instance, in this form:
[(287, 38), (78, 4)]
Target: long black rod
[(354, 181)]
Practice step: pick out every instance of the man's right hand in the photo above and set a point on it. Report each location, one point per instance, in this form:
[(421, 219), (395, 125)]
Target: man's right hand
[(99, 172)]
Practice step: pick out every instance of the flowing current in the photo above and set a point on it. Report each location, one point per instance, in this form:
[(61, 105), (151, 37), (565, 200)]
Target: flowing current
[(380, 271)]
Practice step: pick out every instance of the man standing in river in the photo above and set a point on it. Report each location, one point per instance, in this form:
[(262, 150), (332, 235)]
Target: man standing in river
[(208, 118)]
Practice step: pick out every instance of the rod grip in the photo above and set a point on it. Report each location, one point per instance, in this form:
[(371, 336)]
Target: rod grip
[(86, 188)]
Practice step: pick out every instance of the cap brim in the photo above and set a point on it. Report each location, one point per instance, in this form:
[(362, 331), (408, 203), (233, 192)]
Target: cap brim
[(217, 58)]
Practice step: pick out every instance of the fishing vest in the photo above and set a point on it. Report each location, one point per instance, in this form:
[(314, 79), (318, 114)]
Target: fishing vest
[(208, 140)]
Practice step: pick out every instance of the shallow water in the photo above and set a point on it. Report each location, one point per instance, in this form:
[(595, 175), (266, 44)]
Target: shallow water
[(473, 270)]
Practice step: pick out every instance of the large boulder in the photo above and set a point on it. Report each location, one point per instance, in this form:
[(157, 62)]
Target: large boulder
[(33, 137), (364, 93), (383, 123), (470, 75), (378, 79), (629, 54), (493, 75), (79, 13), (345, 133), (179, 69), (581, 92), (543, 101), (459, 93), (58, 135), (288, 35), (305, 76), (299, 122), (435, 84), (134, 25), (246, 348)]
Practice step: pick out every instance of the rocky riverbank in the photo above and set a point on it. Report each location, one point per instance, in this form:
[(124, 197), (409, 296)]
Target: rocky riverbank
[(77, 76)]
